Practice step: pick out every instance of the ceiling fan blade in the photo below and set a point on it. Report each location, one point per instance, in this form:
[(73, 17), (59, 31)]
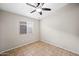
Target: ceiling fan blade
[(33, 11), (30, 5), (46, 9), (38, 4), (40, 13)]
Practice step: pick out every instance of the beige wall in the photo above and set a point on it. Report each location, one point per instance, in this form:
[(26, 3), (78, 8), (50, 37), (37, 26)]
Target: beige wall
[(62, 28), (9, 31)]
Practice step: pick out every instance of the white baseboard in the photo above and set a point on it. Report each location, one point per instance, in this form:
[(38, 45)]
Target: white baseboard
[(18, 46), (52, 43)]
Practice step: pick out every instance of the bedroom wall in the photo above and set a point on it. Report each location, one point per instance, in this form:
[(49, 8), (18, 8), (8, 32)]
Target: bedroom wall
[(9, 31), (62, 28)]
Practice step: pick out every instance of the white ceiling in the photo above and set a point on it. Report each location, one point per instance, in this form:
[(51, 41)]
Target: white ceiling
[(23, 9)]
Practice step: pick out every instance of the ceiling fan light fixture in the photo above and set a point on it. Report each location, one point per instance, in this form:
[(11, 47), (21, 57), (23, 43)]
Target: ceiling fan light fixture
[(38, 10)]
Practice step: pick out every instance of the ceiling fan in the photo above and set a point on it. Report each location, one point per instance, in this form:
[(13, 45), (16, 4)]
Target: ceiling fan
[(38, 8)]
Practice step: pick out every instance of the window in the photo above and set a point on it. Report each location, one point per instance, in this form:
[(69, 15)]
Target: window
[(23, 27), (29, 27)]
